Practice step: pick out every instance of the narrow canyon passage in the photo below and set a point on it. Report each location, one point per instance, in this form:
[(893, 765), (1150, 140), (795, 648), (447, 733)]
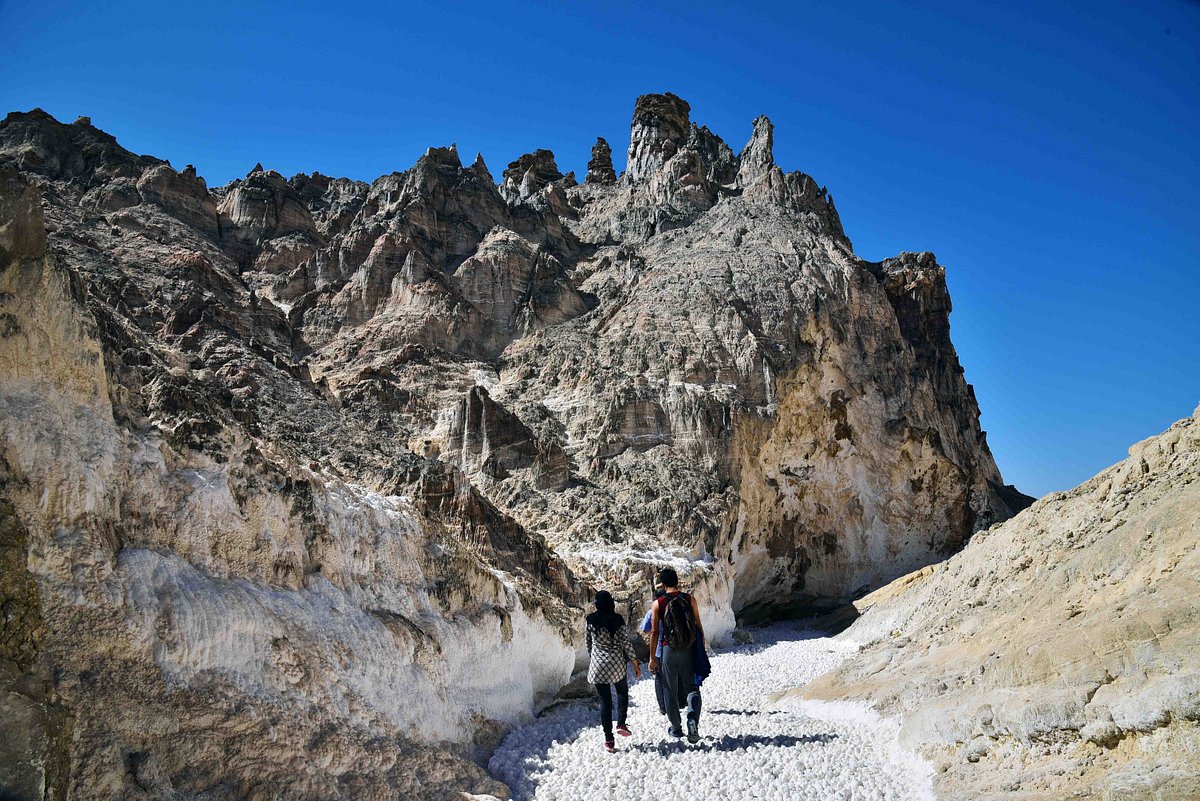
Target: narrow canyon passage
[(751, 747)]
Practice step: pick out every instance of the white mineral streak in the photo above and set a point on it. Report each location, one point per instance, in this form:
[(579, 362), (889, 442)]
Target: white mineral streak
[(283, 306), (751, 746), (328, 645)]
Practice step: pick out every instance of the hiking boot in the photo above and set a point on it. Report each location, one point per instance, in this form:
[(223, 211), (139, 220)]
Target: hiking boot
[(623, 730), (674, 732), (693, 731), (610, 746)]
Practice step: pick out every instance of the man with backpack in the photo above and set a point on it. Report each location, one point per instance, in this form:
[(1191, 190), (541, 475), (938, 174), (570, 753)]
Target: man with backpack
[(675, 629)]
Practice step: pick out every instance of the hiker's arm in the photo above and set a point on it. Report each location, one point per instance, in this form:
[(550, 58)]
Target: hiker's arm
[(654, 621), (587, 638), (696, 615)]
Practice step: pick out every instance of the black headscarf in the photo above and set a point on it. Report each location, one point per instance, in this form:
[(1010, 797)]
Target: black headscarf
[(605, 616)]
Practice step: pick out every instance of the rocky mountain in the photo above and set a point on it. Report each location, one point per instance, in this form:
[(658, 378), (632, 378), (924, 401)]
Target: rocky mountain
[(1056, 655), (305, 480)]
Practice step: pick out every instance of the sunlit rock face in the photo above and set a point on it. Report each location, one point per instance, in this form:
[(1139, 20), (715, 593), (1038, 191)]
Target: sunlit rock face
[(1056, 653), (304, 476)]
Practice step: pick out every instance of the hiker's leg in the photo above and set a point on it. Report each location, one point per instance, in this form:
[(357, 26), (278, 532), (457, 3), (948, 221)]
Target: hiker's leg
[(604, 691), (671, 679), (693, 704), (622, 700), (660, 692)]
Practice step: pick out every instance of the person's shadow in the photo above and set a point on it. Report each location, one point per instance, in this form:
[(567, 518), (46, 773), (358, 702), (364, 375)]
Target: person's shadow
[(731, 742)]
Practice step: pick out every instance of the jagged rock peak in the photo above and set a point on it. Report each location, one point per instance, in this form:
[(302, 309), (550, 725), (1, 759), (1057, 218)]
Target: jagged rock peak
[(660, 127), (529, 173), (437, 166), (481, 169), (600, 167), (265, 203), (757, 157), (442, 156), (35, 141)]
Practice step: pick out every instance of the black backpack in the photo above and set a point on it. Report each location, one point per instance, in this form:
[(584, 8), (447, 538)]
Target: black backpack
[(679, 622)]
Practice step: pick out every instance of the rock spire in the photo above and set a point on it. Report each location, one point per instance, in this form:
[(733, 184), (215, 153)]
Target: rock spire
[(600, 166)]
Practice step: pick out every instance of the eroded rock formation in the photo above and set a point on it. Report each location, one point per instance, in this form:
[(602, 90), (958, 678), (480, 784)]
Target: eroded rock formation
[(310, 474), (198, 597), (600, 166)]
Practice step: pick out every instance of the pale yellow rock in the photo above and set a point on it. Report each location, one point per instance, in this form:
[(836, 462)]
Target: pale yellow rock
[(1057, 655)]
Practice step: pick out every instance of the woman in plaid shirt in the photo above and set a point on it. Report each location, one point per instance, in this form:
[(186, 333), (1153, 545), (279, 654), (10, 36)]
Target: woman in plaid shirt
[(611, 651)]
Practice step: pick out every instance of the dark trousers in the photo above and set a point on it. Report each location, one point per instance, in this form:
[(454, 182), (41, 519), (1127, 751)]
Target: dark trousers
[(660, 692), (680, 683), (605, 693)]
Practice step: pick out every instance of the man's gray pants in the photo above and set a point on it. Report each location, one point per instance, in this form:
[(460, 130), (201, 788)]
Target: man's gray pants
[(680, 680)]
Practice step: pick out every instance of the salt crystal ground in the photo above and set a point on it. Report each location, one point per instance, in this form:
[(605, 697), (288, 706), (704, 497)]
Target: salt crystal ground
[(750, 747)]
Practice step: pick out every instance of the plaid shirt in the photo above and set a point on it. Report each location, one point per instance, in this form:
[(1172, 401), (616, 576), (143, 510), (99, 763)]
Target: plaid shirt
[(610, 654)]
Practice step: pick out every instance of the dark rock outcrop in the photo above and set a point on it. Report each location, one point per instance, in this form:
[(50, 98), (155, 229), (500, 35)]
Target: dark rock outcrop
[(600, 166), (660, 129), (758, 156), (528, 175)]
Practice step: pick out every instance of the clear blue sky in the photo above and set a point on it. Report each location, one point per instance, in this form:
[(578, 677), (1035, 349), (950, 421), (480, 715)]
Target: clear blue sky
[(1046, 152)]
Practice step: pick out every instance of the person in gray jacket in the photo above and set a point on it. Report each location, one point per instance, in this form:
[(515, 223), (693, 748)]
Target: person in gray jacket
[(611, 653)]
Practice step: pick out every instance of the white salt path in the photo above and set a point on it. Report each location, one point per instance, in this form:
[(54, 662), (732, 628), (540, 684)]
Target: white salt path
[(750, 748)]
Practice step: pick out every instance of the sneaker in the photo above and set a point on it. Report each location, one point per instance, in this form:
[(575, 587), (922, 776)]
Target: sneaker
[(672, 731), (693, 731), (610, 746), (623, 730)]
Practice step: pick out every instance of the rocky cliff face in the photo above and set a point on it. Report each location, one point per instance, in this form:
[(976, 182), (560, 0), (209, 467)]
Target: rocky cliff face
[(304, 476), (1055, 656)]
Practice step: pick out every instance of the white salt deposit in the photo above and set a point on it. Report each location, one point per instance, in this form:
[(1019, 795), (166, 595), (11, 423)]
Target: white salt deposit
[(750, 748), (283, 306)]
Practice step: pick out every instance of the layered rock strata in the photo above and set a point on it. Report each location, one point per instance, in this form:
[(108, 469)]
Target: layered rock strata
[(1055, 656), (311, 474)]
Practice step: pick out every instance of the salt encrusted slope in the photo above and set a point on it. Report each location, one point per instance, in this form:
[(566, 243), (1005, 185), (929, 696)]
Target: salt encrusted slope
[(289, 460), (200, 597), (1057, 654)]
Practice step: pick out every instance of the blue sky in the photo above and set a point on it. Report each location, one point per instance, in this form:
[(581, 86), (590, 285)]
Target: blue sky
[(1047, 152)]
